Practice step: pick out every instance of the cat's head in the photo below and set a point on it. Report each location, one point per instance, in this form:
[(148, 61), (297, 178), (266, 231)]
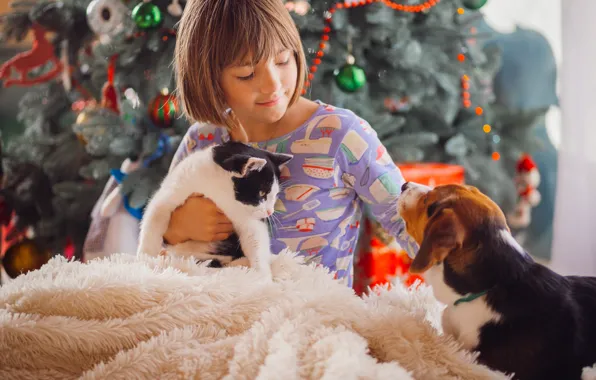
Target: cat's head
[(255, 175)]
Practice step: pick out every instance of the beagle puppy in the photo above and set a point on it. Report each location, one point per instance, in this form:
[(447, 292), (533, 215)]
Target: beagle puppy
[(523, 319)]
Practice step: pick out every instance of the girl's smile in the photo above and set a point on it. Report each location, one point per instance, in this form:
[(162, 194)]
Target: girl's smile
[(270, 103)]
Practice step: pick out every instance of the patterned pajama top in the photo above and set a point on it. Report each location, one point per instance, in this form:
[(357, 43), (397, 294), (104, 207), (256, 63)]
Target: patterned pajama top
[(339, 166)]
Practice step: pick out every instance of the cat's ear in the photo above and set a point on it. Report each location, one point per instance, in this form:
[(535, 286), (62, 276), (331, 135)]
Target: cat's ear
[(279, 159), (244, 164), (253, 164)]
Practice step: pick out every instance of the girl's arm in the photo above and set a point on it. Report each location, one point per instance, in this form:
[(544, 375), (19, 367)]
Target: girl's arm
[(366, 166)]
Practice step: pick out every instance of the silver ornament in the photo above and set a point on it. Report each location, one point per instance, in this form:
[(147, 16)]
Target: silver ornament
[(107, 18)]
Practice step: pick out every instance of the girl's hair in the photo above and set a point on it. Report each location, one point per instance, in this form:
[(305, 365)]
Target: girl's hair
[(214, 34)]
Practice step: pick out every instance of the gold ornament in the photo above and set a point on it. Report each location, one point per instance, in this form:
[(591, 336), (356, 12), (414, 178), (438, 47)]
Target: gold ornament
[(24, 256)]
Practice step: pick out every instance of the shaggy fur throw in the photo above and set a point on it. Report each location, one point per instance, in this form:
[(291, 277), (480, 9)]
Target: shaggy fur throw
[(124, 317)]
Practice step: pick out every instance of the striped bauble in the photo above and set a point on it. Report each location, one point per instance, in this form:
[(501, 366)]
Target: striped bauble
[(163, 110)]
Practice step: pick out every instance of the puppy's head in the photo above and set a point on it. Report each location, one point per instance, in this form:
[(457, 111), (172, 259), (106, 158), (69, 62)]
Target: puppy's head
[(448, 223)]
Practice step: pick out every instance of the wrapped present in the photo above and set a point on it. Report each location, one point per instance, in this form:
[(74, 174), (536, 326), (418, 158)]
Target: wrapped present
[(380, 260)]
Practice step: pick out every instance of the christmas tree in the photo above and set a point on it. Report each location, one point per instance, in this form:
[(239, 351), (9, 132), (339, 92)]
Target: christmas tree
[(417, 72), (103, 93)]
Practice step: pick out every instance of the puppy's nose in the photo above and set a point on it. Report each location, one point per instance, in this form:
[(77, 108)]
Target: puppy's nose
[(404, 187)]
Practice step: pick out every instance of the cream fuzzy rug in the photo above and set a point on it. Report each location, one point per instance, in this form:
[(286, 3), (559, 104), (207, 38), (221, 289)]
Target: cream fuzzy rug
[(128, 318)]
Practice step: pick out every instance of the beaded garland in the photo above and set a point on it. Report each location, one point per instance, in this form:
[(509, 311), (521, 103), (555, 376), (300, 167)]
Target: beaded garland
[(347, 5)]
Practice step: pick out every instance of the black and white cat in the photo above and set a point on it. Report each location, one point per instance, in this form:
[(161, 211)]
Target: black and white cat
[(242, 181)]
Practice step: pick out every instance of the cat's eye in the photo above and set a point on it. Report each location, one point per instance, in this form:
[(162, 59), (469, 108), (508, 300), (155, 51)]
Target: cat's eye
[(262, 194)]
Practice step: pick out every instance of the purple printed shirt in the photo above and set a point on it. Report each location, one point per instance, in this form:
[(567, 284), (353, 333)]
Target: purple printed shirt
[(339, 166)]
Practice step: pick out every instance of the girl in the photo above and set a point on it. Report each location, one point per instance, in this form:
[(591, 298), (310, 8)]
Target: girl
[(240, 71)]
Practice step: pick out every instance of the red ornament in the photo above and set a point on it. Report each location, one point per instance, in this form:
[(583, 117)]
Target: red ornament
[(109, 95), (527, 180), (41, 53), (163, 109), (525, 164), (69, 249)]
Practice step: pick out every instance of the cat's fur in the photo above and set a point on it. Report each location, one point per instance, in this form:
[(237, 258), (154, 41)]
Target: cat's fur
[(242, 181)]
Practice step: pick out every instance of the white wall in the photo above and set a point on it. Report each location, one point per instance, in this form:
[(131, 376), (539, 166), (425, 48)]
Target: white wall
[(571, 31), (574, 243), (543, 16)]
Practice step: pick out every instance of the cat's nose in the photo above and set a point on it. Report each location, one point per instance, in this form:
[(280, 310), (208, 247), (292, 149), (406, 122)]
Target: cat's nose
[(269, 212)]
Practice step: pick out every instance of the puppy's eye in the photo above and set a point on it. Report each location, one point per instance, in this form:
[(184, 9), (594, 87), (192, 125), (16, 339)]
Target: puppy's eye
[(431, 209)]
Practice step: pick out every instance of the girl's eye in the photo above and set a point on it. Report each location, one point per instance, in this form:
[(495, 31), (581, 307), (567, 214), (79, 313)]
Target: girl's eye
[(284, 63), (248, 77)]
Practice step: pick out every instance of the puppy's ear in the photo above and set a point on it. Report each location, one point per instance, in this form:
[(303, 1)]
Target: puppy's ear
[(442, 235)]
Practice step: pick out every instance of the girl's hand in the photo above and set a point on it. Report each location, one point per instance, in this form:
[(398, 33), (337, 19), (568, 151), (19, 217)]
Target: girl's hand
[(236, 129), (198, 219)]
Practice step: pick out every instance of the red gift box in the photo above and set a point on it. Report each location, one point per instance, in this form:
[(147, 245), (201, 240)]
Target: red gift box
[(380, 260)]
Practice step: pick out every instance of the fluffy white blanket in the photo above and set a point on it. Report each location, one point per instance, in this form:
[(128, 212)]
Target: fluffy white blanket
[(148, 318)]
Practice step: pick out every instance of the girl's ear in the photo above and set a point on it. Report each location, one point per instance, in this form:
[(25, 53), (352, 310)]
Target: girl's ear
[(236, 129)]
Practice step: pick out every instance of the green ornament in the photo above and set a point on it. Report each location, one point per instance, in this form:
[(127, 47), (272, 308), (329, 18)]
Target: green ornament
[(474, 4), (147, 15), (350, 77)]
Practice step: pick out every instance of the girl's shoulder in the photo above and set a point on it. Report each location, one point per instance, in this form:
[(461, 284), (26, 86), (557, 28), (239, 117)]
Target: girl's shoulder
[(329, 109), (338, 118), (205, 134), (198, 136), (342, 119)]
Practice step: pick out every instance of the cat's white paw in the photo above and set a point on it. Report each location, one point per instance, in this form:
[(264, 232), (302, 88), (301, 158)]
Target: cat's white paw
[(266, 278), (265, 274)]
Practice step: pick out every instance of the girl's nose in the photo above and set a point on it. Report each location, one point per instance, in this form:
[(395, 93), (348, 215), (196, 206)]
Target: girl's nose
[(271, 80)]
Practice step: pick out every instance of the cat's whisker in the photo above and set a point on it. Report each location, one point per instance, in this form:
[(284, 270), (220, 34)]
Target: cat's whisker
[(270, 224), (285, 184), (278, 220), (275, 218)]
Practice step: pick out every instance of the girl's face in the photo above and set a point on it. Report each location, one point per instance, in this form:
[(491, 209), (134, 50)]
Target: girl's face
[(260, 94)]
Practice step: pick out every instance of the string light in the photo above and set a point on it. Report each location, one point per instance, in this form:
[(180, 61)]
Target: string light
[(465, 84)]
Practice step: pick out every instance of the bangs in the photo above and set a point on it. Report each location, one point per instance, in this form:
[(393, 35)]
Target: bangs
[(251, 33)]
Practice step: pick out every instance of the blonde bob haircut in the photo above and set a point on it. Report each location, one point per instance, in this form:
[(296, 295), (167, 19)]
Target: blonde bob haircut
[(214, 34)]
